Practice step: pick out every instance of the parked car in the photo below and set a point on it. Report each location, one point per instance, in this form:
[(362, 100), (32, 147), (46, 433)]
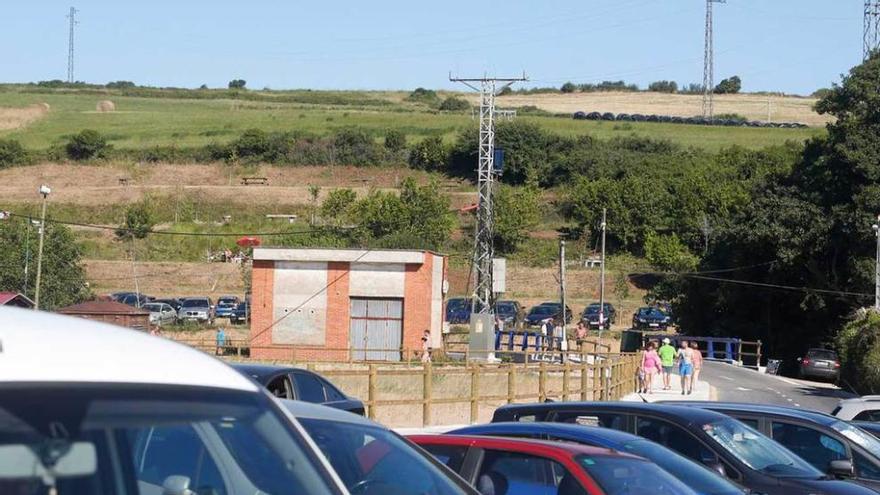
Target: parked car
[(458, 311), (508, 312), (868, 426), (373, 460), (225, 306), (543, 311), (298, 384), (651, 318), (590, 316), (865, 408), (531, 467), (241, 313), (724, 444), (160, 313), (828, 443), (199, 309), (133, 299), (819, 363), (171, 301), (107, 411), (698, 477)]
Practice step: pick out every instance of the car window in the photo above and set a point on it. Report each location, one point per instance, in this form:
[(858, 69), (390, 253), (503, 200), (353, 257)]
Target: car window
[(697, 476), (809, 444), (751, 422), (280, 387), (626, 475), (865, 467), (614, 421), (175, 451), (332, 393), (757, 451), (451, 455), (673, 437), (821, 354), (872, 415), (513, 472), (309, 388)]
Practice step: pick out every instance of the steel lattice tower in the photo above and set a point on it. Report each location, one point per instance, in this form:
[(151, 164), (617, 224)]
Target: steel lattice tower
[(872, 28), (709, 62), (72, 17), (484, 248)]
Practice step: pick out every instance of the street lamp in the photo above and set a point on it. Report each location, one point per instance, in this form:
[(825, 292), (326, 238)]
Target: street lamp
[(44, 191), (876, 228)]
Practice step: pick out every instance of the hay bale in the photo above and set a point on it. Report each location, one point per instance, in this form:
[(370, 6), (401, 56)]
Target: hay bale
[(106, 106), (45, 106)]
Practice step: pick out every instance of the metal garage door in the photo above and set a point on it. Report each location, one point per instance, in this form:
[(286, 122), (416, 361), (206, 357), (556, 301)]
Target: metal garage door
[(376, 329)]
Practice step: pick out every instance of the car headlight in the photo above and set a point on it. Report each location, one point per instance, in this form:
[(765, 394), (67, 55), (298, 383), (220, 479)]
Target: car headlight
[(642, 320)]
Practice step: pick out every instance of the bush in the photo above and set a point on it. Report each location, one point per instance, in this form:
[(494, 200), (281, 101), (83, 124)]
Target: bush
[(86, 145), (138, 222), (237, 84), (663, 87), (120, 84), (430, 154), (252, 143), (731, 116), (422, 95), (354, 146), (453, 104), (859, 350), (568, 87), (11, 153), (506, 90), (395, 140)]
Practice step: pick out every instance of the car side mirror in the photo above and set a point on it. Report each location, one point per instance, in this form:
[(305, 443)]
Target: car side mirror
[(841, 468), (176, 485)]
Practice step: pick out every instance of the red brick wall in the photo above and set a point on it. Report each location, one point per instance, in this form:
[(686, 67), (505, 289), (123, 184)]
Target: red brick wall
[(262, 306), (338, 305), (417, 303)]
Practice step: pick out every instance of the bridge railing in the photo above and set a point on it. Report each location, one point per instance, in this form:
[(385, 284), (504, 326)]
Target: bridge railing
[(729, 349)]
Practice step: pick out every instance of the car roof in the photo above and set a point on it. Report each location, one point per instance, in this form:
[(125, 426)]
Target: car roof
[(40, 347), (518, 444), (784, 411), (262, 370), (307, 410), (864, 398), (692, 414), (607, 437)]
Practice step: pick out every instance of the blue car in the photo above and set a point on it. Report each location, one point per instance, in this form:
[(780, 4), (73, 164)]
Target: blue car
[(458, 311), (701, 479), (225, 306)]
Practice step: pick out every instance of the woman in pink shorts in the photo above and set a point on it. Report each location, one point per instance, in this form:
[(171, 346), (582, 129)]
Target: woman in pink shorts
[(650, 367)]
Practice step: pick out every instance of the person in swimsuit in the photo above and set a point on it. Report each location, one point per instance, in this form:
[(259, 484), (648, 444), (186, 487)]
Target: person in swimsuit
[(698, 365), (685, 366)]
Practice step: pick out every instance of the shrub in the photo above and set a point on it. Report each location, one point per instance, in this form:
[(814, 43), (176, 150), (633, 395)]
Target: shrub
[(86, 145), (138, 222), (395, 140), (422, 95), (252, 143), (506, 90), (11, 153), (730, 86), (120, 84), (237, 84), (859, 349), (663, 86), (731, 116), (453, 104), (355, 147), (568, 87), (430, 154)]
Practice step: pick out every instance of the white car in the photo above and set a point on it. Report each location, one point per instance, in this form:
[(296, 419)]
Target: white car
[(92, 408), (160, 313), (865, 408)]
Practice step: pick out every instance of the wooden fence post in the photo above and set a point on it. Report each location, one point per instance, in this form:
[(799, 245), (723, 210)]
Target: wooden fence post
[(475, 391), (371, 392), (597, 381), (511, 384), (584, 375), (427, 390), (542, 382), (566, 371), (758, 358)]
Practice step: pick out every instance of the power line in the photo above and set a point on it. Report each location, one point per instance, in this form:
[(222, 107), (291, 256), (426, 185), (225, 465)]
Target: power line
[(73, 23), (781, 287)]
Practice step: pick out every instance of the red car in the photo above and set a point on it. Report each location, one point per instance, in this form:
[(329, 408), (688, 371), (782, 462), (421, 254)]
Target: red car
[(505, 466)]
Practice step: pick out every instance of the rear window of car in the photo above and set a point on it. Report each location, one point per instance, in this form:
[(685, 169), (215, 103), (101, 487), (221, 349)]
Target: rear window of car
[(195, 303), (820, 354)]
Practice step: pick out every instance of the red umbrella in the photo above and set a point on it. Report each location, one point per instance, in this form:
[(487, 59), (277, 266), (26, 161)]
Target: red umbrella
[(249, 241)]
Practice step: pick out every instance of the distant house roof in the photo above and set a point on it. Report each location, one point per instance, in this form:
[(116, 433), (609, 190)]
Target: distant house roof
[(102, 308), (15, 299)]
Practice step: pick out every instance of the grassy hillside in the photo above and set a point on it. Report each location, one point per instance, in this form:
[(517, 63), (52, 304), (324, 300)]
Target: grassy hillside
[(144, 122)]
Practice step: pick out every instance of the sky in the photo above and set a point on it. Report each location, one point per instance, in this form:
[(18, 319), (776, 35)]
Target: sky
[(795, 46)]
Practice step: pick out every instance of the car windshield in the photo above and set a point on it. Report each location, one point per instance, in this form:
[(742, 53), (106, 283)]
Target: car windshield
[(505, 308), (457, 304), (544, 310), (757, 451), (592, 309), (241, 306), (374, 461), (859, 436), (698, 477), (195, 303), (226, 301), (652, 313), (98, 439), (619, 475), (152, 307)]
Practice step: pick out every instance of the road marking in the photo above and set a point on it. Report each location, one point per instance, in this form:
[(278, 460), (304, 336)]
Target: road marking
[(797, 405), (743, 389), (726, 378), (789, 381), (789, 400)]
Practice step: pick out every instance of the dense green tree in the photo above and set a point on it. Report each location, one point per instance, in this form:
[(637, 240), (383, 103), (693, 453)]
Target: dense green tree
[(11, 153), (568, 87), (730, 86), (663, 87), (138, 222), (429, 154), (87, 144), (454, 104), (252, 143), (337, 206), (517, 212), (395, 140), (237, 84)]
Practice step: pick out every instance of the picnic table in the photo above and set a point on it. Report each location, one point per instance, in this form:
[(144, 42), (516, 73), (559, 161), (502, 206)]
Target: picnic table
[(247, 181)]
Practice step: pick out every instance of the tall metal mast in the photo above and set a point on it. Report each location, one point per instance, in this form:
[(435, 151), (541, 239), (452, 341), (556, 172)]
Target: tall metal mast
[(73, 23), (872, 28), (709, 62)]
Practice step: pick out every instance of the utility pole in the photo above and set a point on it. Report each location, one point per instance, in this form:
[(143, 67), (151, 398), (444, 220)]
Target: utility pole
[(27, 253), (562, 290), (484, 251), (876, 228), (709, 62), (44, 191), (602, 274), (872, 28), (73, 23)]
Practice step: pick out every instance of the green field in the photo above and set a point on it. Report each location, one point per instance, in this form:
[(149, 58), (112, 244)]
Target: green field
[(143, 122)]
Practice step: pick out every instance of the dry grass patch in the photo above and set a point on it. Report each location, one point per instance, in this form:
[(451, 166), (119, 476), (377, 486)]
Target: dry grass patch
[(14, 118)]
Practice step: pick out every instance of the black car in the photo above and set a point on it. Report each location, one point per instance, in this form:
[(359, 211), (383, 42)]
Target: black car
[(651, 318), (590, 316), (826, 442), (738, 451), (241, 313), (131, 298), (537, 314), (508, 312), (298, 384)]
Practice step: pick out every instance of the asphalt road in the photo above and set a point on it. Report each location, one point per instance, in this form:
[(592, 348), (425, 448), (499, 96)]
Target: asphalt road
[(735, 384)]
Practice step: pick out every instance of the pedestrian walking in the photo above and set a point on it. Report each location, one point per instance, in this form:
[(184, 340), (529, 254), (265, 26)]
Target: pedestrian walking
[(685, 359), (698, 365), (426, 347), (667, 361), (221, 341), (651, 365), (580, 335), (545, 329)]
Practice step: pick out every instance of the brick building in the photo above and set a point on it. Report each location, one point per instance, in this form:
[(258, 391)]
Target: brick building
[(111, 312), (329, 303)]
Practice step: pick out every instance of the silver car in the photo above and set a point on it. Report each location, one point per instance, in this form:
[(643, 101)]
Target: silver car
[(161, 314), (199, 309)]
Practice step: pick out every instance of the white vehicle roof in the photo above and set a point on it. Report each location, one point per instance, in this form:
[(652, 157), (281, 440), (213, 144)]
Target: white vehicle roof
[(45, 347)]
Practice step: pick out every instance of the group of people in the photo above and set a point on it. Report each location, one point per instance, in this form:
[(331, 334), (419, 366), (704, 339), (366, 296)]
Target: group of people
[(663, 360)]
